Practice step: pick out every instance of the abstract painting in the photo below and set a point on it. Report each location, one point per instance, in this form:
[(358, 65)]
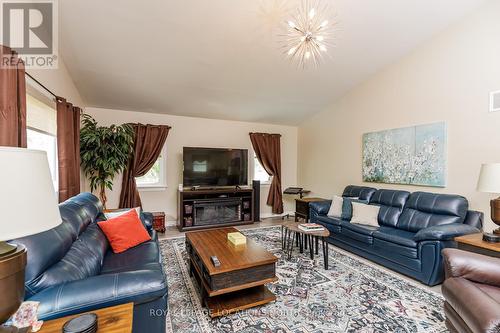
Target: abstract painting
[(411, 155)]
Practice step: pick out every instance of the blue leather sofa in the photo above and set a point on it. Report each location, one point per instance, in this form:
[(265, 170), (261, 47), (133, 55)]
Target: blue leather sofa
[(413, 229), (71, 268)]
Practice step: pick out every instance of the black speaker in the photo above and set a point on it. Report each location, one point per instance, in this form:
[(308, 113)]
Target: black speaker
[(256, 200)]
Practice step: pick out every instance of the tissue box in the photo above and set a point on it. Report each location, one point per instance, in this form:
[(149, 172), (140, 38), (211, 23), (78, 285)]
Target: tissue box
[(236, 238)]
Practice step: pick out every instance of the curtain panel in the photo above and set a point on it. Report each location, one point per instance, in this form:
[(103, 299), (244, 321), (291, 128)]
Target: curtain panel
[(148, 144), (68, 148), (12, 99), (267, 148)]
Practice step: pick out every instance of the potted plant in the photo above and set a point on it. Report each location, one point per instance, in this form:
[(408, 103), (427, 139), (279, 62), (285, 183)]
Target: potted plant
[(104, 153)]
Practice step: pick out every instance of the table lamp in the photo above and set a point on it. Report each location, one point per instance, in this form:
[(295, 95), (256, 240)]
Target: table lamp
[(489, 182), (28, 205)]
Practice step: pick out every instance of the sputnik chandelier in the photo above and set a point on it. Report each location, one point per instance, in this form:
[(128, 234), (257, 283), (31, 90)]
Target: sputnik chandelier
[(308, 33)]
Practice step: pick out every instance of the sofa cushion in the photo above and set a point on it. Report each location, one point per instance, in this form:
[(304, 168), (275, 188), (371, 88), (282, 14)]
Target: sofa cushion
[(90, 204), (363, 193), (84, 259), (143, 256), (425, 210), (356, 232), (391, 204), (44, 250), (329, 220), (396, 252), (397, 236), (101, 291), (360, 228)]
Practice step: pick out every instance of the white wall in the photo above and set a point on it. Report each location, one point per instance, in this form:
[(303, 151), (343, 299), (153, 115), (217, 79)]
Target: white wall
[(59, 82), (188, 131), (446, 79)]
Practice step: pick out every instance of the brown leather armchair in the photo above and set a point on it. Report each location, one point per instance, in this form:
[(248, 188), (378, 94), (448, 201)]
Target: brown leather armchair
[(472, 292)]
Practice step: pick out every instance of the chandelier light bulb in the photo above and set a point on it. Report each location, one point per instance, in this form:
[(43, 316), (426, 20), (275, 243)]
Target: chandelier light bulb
[(308, 33), (312, 13)]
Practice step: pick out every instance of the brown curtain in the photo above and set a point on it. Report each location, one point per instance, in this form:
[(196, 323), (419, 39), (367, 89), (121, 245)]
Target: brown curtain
[(148, 143), (68, 148), (12, 99), (268, 150)]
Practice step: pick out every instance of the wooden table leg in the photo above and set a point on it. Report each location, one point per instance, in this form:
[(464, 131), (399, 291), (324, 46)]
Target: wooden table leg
[(316, 245)]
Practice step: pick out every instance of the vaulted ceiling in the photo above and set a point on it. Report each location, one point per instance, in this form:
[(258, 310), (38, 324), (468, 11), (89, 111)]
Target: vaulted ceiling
[(222, 58)]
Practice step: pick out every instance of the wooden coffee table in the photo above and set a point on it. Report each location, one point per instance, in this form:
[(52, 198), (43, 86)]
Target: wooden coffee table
[(290, 233), (239, 282)]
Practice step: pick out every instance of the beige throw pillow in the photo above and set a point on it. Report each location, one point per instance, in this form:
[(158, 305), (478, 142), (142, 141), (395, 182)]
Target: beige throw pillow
[(118, 212), (336, 207), (365, 214)]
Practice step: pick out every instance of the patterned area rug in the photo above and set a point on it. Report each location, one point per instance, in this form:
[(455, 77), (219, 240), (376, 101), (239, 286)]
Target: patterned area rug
[(352, 296)]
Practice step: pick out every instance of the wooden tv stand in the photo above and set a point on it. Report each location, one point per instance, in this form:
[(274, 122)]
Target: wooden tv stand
[(214, 207)]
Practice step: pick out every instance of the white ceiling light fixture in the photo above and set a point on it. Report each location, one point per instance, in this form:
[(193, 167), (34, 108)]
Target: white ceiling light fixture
[(308, 33)]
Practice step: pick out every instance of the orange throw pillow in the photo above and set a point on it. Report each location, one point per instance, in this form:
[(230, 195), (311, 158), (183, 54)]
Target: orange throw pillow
[(125, 231)]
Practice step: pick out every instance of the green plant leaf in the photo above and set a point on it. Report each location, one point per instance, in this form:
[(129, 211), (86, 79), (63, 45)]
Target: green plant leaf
[(104, 151)]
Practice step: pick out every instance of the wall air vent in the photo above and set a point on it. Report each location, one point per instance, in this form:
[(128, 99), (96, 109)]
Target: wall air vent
[(495, 101)]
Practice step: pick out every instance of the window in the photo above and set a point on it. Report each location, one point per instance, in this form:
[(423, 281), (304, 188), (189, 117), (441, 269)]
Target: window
[(41, 119), (259, 173), (156, 176)]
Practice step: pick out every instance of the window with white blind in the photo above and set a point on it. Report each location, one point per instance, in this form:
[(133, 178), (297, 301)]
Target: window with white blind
[(41, 120)]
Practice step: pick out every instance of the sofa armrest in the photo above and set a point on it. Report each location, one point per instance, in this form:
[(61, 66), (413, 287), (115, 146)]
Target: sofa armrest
[(472, 266), (320, 207), (100, 291), (444, 232), (479, 311)]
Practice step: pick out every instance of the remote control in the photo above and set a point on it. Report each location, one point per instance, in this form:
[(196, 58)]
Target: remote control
[(215, 261)]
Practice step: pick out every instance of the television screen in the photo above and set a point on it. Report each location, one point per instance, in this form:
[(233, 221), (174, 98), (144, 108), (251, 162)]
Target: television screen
[(215, 167)]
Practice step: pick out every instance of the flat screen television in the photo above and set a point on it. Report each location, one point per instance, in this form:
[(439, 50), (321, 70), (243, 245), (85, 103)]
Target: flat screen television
[(211, 167)]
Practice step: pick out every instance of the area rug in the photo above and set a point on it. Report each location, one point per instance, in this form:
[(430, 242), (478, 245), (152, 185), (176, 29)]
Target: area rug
[(352, 296)]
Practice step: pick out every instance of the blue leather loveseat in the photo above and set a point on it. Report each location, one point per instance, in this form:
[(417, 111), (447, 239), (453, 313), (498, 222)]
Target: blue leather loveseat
[(71, 269), (413, 229)]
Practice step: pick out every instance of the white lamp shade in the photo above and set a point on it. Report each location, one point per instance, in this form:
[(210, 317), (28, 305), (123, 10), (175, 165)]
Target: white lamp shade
[(28, 202), (489, 178)]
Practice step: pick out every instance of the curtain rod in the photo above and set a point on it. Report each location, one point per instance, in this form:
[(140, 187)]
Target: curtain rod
[(41, 85)]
